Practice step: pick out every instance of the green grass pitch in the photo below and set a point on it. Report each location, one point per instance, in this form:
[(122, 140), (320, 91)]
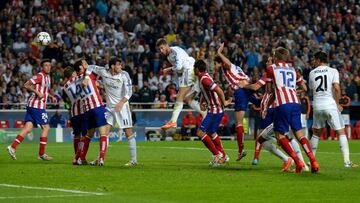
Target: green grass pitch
[(174, 172)]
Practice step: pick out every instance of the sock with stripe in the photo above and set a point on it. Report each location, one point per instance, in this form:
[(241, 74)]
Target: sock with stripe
[(209, 144), (285, 145), (296, 147), (17, 141), (85, 147), (217, 142), (103, 146), (43, 141), (257, 149), (307, 148)]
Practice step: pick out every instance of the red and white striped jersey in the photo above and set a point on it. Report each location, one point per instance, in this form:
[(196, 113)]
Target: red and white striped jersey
[(72, 89), (234, 75), (285, 78), (90, 96), (264, 100), (207, 86), (42, 83)]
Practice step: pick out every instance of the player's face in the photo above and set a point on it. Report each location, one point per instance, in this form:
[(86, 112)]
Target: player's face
[(164, 49), (117, 67), (47, 67)]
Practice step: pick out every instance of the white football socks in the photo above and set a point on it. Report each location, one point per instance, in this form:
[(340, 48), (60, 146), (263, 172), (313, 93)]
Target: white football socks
[(132, 148), (269, 146), (177, 109), (314, 141), (344, 147), (296, 147), (196, 106)]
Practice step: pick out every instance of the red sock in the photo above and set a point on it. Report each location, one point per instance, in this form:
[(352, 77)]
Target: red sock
[(210, 145), (76, 144), (258, 147), (85, 147), (17, 141), (43, 141), (285, 145), (103, 146), (240, 137), (307, 148), (217, 142)]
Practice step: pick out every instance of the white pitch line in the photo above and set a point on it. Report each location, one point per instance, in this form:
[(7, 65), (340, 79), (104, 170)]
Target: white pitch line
[(204, 149), (45, 196), (52, 189)]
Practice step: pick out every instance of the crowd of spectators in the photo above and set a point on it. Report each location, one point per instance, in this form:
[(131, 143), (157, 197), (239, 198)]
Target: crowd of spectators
[(129, 29)]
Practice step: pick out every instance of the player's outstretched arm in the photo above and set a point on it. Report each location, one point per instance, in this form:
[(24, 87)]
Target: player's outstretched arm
[(225, 60)]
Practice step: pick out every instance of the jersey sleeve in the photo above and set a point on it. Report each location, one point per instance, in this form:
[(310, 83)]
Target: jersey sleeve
[(311, 82), (36, 79), (178, 61), (208, 83), (299, 78), (262, 81), (336, 76), (269, 74), (128, 86), (94, 69)]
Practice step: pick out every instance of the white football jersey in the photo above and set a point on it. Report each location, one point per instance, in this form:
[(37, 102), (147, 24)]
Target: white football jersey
[(180, 60), (321, 82), (116, 86)]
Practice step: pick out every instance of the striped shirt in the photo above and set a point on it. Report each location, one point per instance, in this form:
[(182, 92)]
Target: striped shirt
[(90, 96), (234, 75), (285, 79), (42, 84), (72, 88), (207, 87)]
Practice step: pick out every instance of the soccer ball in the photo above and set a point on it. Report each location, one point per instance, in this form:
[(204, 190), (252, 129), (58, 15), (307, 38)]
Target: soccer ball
[(43, 38)]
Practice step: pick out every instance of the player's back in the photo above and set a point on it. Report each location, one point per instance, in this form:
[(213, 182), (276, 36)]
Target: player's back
[(234, 75), (321, 81), (207, 87), (179, 55), (72, 89), (90, 95), (285, 79)]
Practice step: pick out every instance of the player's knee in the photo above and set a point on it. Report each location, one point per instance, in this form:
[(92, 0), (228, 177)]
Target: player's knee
[(200, 133)]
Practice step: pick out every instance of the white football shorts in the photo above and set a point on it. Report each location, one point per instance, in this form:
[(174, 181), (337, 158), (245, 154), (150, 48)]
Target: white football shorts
[(331, 116)]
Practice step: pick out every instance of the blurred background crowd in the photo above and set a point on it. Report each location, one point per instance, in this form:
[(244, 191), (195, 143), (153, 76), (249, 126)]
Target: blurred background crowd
[(129, 29)]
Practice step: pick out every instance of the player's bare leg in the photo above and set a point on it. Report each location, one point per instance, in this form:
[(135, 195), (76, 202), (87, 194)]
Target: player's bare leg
[(132, 147), (177, 108), (43, 141), (307, 148), (11, 149), (239, 116)]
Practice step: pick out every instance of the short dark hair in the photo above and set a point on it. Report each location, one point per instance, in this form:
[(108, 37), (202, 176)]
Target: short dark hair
[(68, 71), (44, 61), (113, 61), (77, 65), (218, 59), (321, 56), (200, 65), (281, 53), (160, 42)]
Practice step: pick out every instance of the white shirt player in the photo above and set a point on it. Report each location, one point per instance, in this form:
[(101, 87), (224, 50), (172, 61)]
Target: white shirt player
[(180, 60), (321, 81), (116, 86)]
